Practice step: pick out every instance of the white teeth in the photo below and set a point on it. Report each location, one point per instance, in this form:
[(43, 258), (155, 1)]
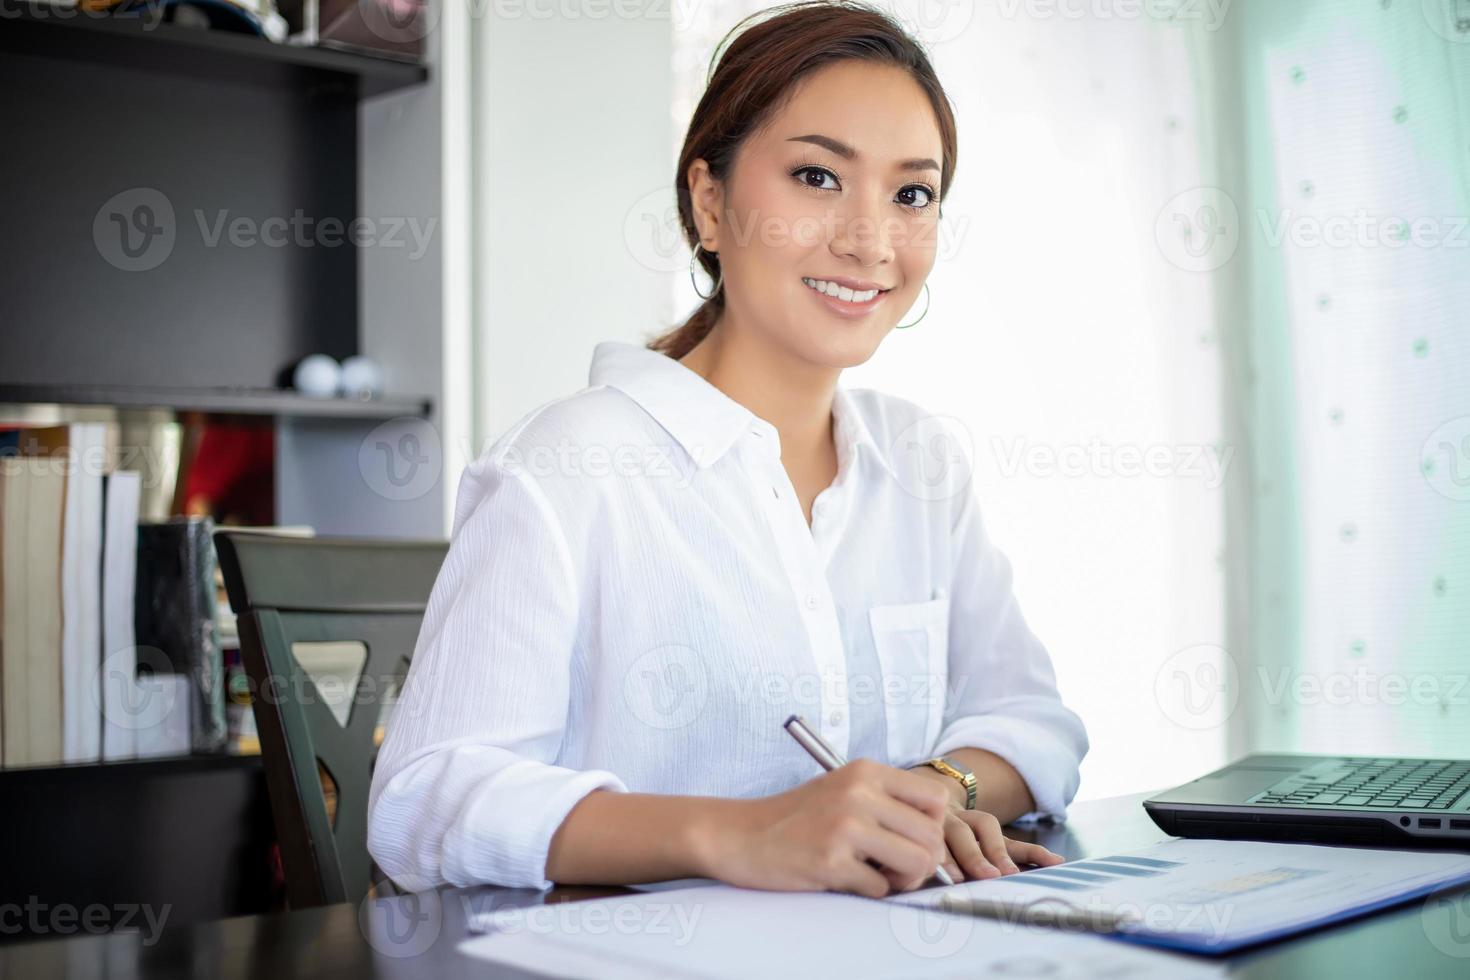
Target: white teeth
[(842, 292)]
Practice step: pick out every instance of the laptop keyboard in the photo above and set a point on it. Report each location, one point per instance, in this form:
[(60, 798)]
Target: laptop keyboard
[(1420, 784)]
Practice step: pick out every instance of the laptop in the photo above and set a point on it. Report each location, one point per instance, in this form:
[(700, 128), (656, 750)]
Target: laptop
[(1324, 799)]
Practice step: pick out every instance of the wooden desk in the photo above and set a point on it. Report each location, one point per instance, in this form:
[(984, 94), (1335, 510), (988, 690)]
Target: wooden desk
[(1422, 939)]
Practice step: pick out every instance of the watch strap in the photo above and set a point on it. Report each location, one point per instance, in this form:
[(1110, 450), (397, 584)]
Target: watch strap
[(958, 772)]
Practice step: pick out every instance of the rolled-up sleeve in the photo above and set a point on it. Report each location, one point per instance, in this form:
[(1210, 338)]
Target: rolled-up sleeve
[(1002, 691), (465, 789)]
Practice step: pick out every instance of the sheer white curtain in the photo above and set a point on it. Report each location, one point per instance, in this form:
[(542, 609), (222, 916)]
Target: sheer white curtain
[(1072, 340), (1356, 581)]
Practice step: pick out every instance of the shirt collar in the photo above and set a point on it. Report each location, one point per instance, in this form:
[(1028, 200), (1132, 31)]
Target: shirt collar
[(851, 431), (704, 420)]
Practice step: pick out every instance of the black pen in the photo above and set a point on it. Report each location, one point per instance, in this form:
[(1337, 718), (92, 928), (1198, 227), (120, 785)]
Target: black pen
[(818, 749)]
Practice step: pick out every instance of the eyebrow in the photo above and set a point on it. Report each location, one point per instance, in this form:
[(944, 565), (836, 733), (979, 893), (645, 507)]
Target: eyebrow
[(848, 153)]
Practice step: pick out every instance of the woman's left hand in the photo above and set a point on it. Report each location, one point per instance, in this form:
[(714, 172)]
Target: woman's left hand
[(977, 848)]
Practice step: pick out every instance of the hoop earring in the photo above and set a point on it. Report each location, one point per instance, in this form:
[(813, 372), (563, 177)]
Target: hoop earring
[(905, 326), (718, 283)]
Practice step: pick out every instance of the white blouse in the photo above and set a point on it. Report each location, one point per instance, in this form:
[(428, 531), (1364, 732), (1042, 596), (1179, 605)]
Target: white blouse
[(633, 601)]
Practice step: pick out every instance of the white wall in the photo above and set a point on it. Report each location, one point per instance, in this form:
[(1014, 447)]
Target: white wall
[(572, 131)]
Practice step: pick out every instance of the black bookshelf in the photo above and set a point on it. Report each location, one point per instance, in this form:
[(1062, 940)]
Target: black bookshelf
[(106, 117), (233, 401), (221, 126), (191, 835), (228, 58)]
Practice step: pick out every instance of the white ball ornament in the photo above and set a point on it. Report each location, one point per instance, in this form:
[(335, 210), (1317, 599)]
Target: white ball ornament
[(362, 377), (317, 376)]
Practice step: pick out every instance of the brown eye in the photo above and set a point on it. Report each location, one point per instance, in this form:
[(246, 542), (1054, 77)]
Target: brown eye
[(816, 172), (926, 199)]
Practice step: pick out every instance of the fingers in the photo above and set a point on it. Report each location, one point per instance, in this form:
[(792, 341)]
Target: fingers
[(991, 842), (907, 861), (964, 851), (1024, 853), (860, 878), (889, 816), (992, 853), (901, 818), (924, 794)]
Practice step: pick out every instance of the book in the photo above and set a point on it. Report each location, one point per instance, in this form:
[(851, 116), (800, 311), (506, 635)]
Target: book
[(78, 452), (33, 507), (81, 595), (163, 714), (117, 693), (176, 620)]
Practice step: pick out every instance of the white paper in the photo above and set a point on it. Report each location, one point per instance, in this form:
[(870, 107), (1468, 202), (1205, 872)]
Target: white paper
[(1217, 895), (719, 931)]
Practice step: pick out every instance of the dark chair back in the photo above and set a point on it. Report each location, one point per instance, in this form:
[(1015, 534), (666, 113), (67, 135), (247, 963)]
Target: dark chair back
[(288, 590)]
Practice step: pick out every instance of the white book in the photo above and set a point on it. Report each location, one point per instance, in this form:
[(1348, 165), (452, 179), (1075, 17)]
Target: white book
[(81, 598), (32, 645), (14, 663), (118, 668), (161, 714)]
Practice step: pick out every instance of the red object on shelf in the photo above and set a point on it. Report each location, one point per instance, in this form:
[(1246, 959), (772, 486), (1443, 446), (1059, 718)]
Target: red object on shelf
[(233, 472)]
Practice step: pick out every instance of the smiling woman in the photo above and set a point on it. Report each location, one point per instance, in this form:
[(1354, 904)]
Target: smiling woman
[(606, 662), (783, 91)]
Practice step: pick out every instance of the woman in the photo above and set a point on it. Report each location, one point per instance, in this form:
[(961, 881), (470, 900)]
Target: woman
[(648, 576)]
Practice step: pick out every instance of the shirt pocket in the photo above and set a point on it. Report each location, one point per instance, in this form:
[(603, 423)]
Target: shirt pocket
[(912, 643)]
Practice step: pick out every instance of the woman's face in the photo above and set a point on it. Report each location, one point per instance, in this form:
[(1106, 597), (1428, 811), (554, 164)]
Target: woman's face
[(842, 186)]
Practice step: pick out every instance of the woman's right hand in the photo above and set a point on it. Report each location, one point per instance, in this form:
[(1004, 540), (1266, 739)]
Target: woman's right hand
[(823, 834)]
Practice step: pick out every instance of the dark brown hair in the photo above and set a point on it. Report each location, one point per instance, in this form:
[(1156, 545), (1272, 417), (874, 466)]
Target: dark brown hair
[(756, 75)]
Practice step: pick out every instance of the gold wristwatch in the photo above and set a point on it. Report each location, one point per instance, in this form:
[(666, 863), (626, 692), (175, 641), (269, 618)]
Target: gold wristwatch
[(957, 771)]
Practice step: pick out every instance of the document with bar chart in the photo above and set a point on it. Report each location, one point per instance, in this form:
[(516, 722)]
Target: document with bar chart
[(1214, 896)]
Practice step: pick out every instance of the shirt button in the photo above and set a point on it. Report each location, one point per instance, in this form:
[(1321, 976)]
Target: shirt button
[(813, 601), (836, 717)]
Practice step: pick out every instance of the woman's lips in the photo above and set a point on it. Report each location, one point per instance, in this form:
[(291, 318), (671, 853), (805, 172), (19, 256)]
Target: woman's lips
[(845, 307)]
